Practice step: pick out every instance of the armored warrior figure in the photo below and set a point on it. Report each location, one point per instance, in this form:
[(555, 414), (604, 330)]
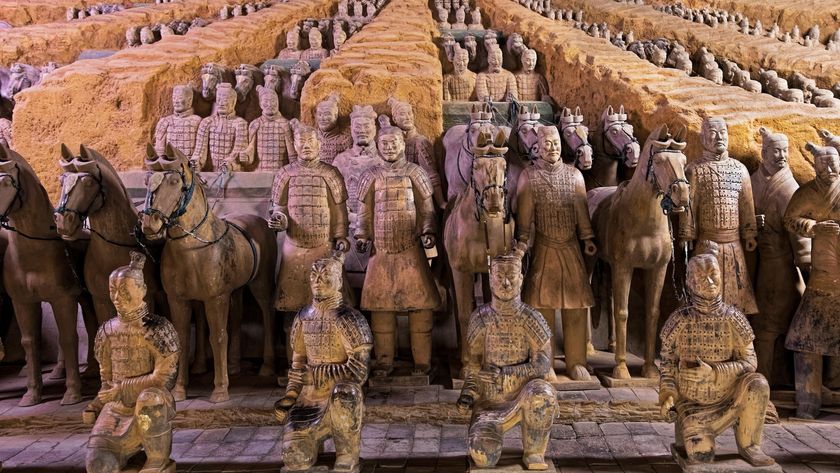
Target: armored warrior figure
[(334, 140), (708, 371), (331, 345), (494, 83), (418, 148), (722, 211), (508, 362), (138, 359), (397, 215), (316, 49), (460, 17), (352, 164), (6, 132), (178, 130), (223, 135), (551, 198), (779, 284), (459, 85), (530, 84), (814, 212), (271, 144), (292, 49), (475, 20), (339, 37)]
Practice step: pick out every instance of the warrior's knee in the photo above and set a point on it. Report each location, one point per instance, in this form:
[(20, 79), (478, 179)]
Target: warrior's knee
[(347, 393), (700, 448), (541, 397), (758, 387), (101, 461), (154, 410), (486, 441), (299, 453)]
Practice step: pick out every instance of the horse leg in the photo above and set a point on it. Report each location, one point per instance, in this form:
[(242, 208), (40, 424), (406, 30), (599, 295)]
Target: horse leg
[(58, 371), (217, 311), (462, 283), (199, 364), (654, 281), (66, 314), (261, 290), (180, 311), (621, 278), (235, 331), (28, 317)]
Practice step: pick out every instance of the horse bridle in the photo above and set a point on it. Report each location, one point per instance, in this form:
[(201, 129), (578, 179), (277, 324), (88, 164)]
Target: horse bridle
[(82, 214), (622, 153), (479, 193), (667, 202), (4, 217), (583, 142)]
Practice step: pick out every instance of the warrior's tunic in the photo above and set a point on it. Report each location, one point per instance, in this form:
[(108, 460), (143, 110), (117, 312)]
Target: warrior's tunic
[(459, 88), (271, 143), (178, 131), (225, 138), (334, 142), (496, 86)]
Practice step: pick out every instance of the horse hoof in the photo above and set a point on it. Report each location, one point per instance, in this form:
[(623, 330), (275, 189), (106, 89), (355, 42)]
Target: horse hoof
[(579, 373), (57, 372), (71, 397), (31, 398), (267, 371), (219, 395), (179, 393), (621, 372), (650, 371)]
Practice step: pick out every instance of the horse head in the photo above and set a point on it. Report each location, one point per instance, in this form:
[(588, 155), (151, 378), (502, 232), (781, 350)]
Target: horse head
[(273, 77), (212, 74), (489, 175), (11, 189), (82, 191), (299, 72), (170, 184), (576, 136), (618, 134), (481, 126), (247, 77), (526, 133), (665, 168)]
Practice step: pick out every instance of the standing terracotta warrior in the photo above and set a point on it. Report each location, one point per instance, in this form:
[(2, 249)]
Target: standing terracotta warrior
[(292, 49), (814, 212), (475, 19), (418, 148), (178, 130), (331, 345), (316, 49), (508, 362), (222, 135), (271, 144), (334, 140), (708, 371), (495, 84), (138, 359), (6, 133), (778, 281), (551, 196), (530, 84), (722, 211), (397, 215), (352, 164), (459, 85)]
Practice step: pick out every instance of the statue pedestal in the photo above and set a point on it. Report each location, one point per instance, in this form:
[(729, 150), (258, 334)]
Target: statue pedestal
[(565, 383), (635, 381), (726, 463), (402, 377), (508, 463)]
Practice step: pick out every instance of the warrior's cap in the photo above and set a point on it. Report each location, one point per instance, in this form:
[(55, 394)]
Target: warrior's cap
[(362, 112), (134, 270)]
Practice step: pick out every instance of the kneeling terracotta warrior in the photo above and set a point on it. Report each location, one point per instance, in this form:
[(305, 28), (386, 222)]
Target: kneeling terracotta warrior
[(508, 362), (331, 345), (138, 358), (708, 370)]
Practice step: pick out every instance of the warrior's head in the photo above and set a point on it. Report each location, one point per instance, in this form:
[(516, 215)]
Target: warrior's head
[(269, 101), (293, 38), (703, 278), (460, 60), (774, 151), (182, 97), (315, 38), (402, 114), (326, 113), (307, 145), (826, 163), (494, 59), (390, 141), (550, 143), (325, 278), (528, 57), (714, 135), (128, 288), (506, 276), (225, 99), (363, 125)]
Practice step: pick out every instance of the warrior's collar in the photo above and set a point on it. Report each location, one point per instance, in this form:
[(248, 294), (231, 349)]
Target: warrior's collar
[(368, 150), (184, 114), (309, 164), (222, 114), (136, 314), (330, 303), (510, 307), (705, 306), (400, 162), (710, 156)]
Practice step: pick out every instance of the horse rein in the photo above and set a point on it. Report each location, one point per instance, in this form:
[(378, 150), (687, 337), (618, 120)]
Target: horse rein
[(667, 203), (82, 214)]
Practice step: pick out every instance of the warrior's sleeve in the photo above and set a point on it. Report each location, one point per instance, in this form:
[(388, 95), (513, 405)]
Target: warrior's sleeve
[(291, 152), (251, 150), (584, 224), (280, 192), (801, 247), (162, 340), (524, 208), (474, 354), (481, 91), (669, 356), (426, 160), (688, 222), (512, 88), (543, 90), (364, 219), (447, 95), (297, 371), (240, 142), (339, 222), (102, 351), (539, 346), (746, 207), (160, 135), (798, 216), (424, 193), (202, 139), (357, 340)]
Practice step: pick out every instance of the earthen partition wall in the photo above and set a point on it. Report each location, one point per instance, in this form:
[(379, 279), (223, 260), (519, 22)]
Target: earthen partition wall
[(112, 104), (18, 13), (392, 56), (591, 73)]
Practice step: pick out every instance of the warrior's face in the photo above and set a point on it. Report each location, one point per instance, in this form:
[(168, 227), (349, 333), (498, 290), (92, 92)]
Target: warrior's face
[(827, 167), (460, 15), (404, 117), (292, 40), (774, 156), (703, 278), (269, 104), (315, 39), (391, 146), (326, 117), (181, 99), (529, 60), (127, 293), (494, 60), (307, 146), (325, 280), (715, 137), (550, 144), (225, 102), (505, 280), (363, 131), (461, 62)]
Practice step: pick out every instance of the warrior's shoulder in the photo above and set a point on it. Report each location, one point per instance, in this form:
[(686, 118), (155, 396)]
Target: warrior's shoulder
[(161, 333), (535, 323), (740, 324), (354, 325), (674, 323)]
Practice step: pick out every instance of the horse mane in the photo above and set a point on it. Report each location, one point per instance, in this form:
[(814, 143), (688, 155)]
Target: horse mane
[(29, 177), (109, 174)]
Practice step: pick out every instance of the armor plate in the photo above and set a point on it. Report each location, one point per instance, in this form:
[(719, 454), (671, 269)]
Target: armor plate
[(554, 196), (721, 183)]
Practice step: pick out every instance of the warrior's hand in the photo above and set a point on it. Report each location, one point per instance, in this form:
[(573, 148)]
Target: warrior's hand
[(686, 243), (88, 416), (362, 245), (465, 403), (751, 244), (342, 245), (827, 228), (281, 408), (702, 373), (490, 374), (278, 222), (589, 247), (110, 394), (666, 403), (428, 241)]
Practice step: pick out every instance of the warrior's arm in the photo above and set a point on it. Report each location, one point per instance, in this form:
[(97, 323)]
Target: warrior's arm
[(364, 219), (668, 366), (251, 150), (291, 153), (543, 91), (240, 142), (584, 224), (339, 222), (746, 208), (354, 370), (801, 247), (298, 369), (280, 195), (797, 216), (426, 160), (481, 91), (688, 224), (538, 365), (201, 143), (447, 96), (512, 88), (102, 352), (160, 135), (743, 361), (163, 376), (425, 203), (475, 352), (524, 209)]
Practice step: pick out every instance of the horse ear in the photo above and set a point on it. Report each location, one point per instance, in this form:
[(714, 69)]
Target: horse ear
[(151, 154), (500, 139), (577, 110), (663, 133), (175, 153), (66, 154), (825, 134), (680, 136), (621, 110), (610, 110), (85, 153)]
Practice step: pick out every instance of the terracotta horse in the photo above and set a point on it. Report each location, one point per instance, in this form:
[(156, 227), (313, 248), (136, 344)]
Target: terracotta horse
[(618, 146), (524, 148), (575, 135), (479, 226), (632, 231), (207, 259), (37, 268), (248, 77)]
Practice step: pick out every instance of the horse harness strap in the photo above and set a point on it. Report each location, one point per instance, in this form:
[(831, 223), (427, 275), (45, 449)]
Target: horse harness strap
[(250, 241)]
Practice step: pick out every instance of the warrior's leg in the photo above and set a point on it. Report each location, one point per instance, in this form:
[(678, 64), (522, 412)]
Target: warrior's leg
[(300, 450), (750, 425), (486, 439), (700, 447), (102, 460), (574, 343), (346, 413), (548, 315), (420, 326), (808, 367), (288, 319), (538, 410), (384, 326), (156, 408)]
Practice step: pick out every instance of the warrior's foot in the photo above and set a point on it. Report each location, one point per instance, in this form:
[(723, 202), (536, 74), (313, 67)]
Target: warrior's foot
[(535, 461), (579, 373), (179, 393), (347, 464), (383, 369), (267, 371), (58, 372), (71, 396), (420, 370), (650, 371), (219, 395), (32, 397), (807, 411), (755, 457), (621, 371)]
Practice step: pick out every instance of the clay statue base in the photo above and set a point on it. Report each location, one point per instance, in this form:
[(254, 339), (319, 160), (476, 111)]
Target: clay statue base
[(635, 381), (727, 463), (402, 377), (510, 461)]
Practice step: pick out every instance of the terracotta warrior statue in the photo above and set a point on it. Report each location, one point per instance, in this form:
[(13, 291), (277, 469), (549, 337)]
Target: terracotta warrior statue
[(316, 49), (551, 201), (352, 164), (397, 218), (494, 83), (722, 211), (292, 49), (459, 85), (271, 145), (222, 136), (508, 362), (180, 129), (460, 19), (475, 19), (708, 371), (418, 148), (331, 344), (814, 212), (779, 284), (6, 132), (339, 38), (138, 359), (333, 138), (530, 84)]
